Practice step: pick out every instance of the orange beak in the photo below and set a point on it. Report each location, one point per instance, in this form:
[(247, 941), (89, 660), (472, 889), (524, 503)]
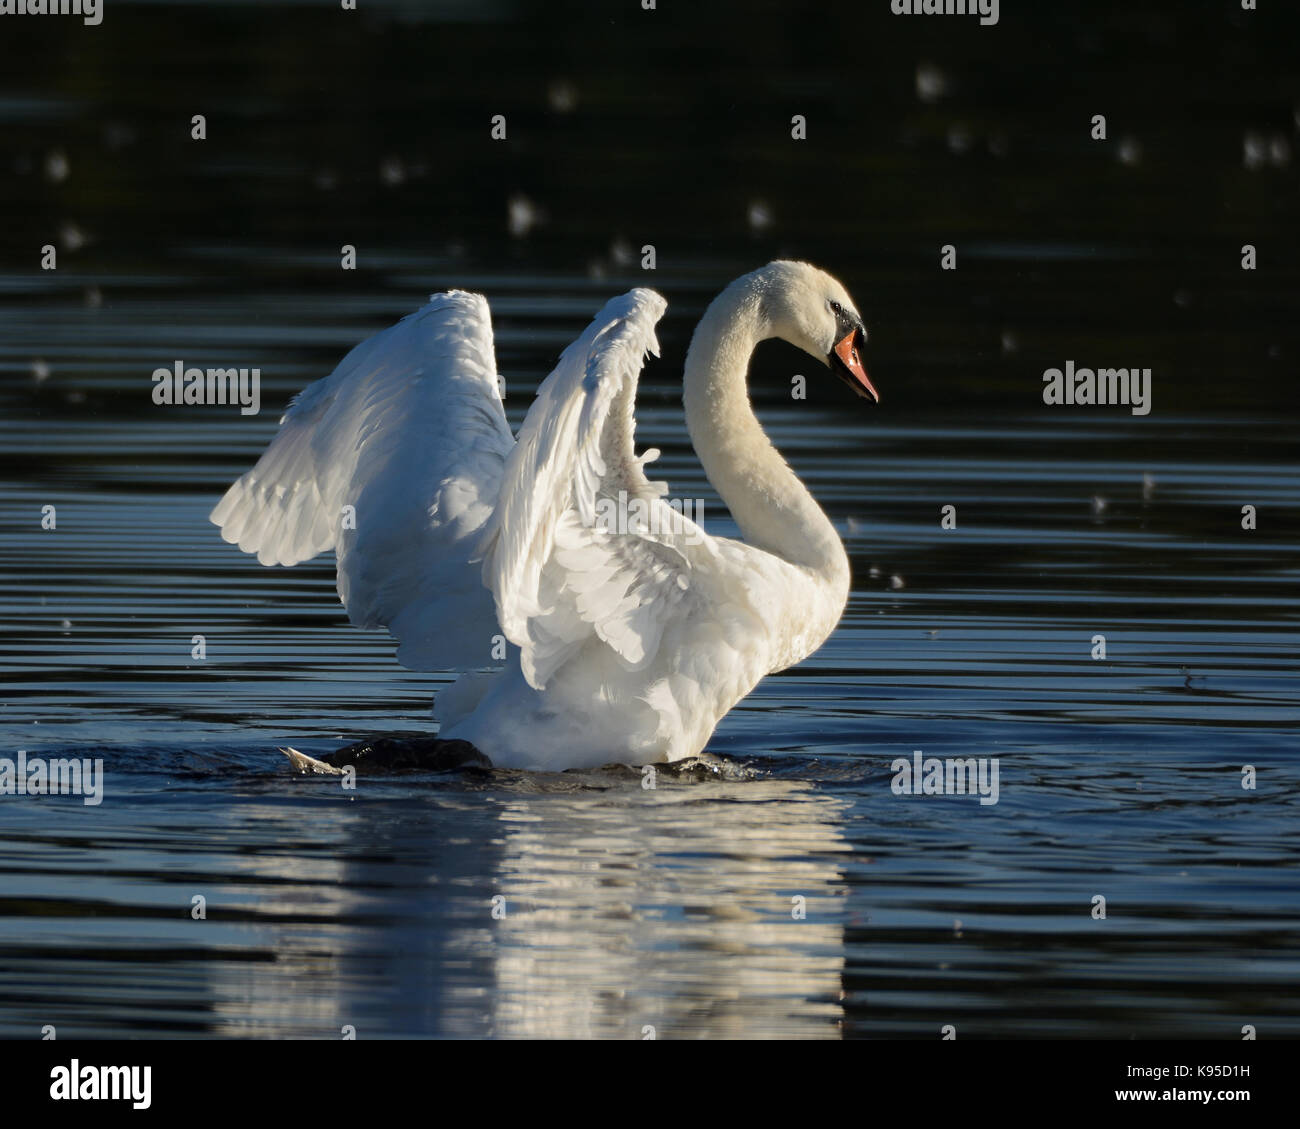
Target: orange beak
[(846, 352)]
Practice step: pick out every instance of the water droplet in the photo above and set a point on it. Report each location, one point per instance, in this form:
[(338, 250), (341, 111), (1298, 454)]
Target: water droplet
[(71, 237), (522, 215), (1130, 151), (1254, 150), (760, 216), (56, 166), (621, 252), (931, 82), (960, 138), (562, 96)]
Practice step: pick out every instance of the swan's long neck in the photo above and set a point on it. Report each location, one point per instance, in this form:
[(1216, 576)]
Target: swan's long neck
[(774, 510)]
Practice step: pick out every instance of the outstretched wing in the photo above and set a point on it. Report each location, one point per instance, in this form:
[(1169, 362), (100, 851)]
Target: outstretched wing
[(394, 460), (562, 573)]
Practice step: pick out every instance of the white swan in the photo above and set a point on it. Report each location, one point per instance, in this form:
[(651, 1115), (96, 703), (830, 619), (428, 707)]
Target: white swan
[(622, 646)]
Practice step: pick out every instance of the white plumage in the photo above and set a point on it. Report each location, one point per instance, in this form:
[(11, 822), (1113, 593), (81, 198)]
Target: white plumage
[(626, 644)]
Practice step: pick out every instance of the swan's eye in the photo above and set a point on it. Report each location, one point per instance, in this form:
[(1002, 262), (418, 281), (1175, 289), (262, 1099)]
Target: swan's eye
[(837, 307)]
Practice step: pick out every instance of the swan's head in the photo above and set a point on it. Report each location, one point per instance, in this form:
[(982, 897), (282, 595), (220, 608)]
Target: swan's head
[(811, 310)]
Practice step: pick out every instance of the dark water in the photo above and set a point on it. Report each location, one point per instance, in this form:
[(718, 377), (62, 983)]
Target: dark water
[(671, 908)]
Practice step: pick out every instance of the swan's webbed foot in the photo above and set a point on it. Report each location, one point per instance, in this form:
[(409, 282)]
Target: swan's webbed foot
[(393, 754)]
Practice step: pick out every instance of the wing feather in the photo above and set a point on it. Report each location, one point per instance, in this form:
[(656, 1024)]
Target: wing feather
[(394, 460), (446, 531), (560, 576)]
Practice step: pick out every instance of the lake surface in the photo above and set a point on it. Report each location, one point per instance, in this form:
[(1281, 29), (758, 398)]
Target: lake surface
[(627, 908)]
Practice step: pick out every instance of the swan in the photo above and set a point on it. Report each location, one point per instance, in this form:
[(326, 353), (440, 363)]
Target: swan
[(476, 549)]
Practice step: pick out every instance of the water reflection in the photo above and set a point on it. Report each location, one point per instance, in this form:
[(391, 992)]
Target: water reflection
[(624, 910)]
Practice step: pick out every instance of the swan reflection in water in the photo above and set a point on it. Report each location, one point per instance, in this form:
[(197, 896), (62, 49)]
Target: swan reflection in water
[(625, 910)]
